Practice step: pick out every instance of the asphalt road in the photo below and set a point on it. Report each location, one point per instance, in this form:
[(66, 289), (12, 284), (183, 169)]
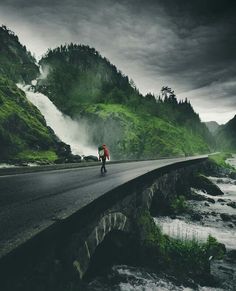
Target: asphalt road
[(31, 202)]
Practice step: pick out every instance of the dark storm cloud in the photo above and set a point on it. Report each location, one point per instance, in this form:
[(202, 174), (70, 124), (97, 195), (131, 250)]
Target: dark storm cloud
[(189, 45)]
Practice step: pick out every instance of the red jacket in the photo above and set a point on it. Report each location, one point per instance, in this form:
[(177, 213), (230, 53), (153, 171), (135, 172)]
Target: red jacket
[(106, 153)]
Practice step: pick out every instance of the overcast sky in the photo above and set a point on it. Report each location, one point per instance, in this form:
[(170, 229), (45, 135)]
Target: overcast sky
[(189, 45)]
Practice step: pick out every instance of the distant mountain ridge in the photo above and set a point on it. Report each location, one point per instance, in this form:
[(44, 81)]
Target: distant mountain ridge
[(226, 136), (212, 126)]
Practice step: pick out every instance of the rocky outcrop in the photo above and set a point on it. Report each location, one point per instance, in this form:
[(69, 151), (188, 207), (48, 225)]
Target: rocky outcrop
[(202, 183)]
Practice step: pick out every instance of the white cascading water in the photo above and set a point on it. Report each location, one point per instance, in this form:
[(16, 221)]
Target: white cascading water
[(67, 129)]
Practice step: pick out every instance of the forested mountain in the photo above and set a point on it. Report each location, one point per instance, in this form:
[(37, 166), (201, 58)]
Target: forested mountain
[(16, 63), (80, 73), (226, 136), (85, 85)]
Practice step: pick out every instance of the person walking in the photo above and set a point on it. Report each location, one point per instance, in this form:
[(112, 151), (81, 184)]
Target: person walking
[(103, 154)]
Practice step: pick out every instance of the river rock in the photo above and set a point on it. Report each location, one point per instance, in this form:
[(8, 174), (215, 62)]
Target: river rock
[(225, 217), (196, 216), (198, 197), (221, 200), (231, 254), (220, 181), (232, 204), (74, 159), (91, 158), (202, 183), (206, 204), (232, 175), (173, 216), (211, 200)]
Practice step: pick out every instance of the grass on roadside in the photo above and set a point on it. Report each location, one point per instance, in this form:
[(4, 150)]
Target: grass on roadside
[(220, 160)]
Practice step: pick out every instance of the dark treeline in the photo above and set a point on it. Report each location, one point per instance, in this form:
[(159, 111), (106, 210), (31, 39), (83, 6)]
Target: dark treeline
[(168, 107)]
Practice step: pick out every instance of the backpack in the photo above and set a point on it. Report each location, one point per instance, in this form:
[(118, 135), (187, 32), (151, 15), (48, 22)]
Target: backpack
[(101, 151)]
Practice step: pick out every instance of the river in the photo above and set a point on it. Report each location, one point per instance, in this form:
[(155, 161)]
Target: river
[(128, 278)]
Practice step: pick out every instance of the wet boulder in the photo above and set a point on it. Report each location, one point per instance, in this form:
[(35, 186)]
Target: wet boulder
[(232, 204), (196, 216), (221, 200), (199, 197), (202, 183), (91, 158), (74, 159), (225, 217), (231, 254), (232, 175), (211, 200)]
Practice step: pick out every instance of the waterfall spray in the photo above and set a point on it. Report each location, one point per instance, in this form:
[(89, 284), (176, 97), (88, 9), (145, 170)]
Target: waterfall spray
[(68, 130)]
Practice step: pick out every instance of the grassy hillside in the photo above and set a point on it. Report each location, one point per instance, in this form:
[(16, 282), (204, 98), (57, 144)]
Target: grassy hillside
[(132, 136), (16, 63), (24, 135), (226, 136)]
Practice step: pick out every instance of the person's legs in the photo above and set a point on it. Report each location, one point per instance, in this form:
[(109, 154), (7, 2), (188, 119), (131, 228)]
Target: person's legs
[(103, 169), (105, 166)]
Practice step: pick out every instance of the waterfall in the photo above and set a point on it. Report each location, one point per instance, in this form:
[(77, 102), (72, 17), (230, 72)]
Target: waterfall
[(68, 130)]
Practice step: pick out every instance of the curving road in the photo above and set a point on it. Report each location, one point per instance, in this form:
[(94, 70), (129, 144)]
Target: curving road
[(31, 202)]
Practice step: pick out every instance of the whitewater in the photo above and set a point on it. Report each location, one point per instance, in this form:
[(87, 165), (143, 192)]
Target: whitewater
[(67, 130)]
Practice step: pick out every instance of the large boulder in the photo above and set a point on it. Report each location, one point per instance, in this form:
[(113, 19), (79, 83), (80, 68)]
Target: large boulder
[(202, 183), (91, 158)]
